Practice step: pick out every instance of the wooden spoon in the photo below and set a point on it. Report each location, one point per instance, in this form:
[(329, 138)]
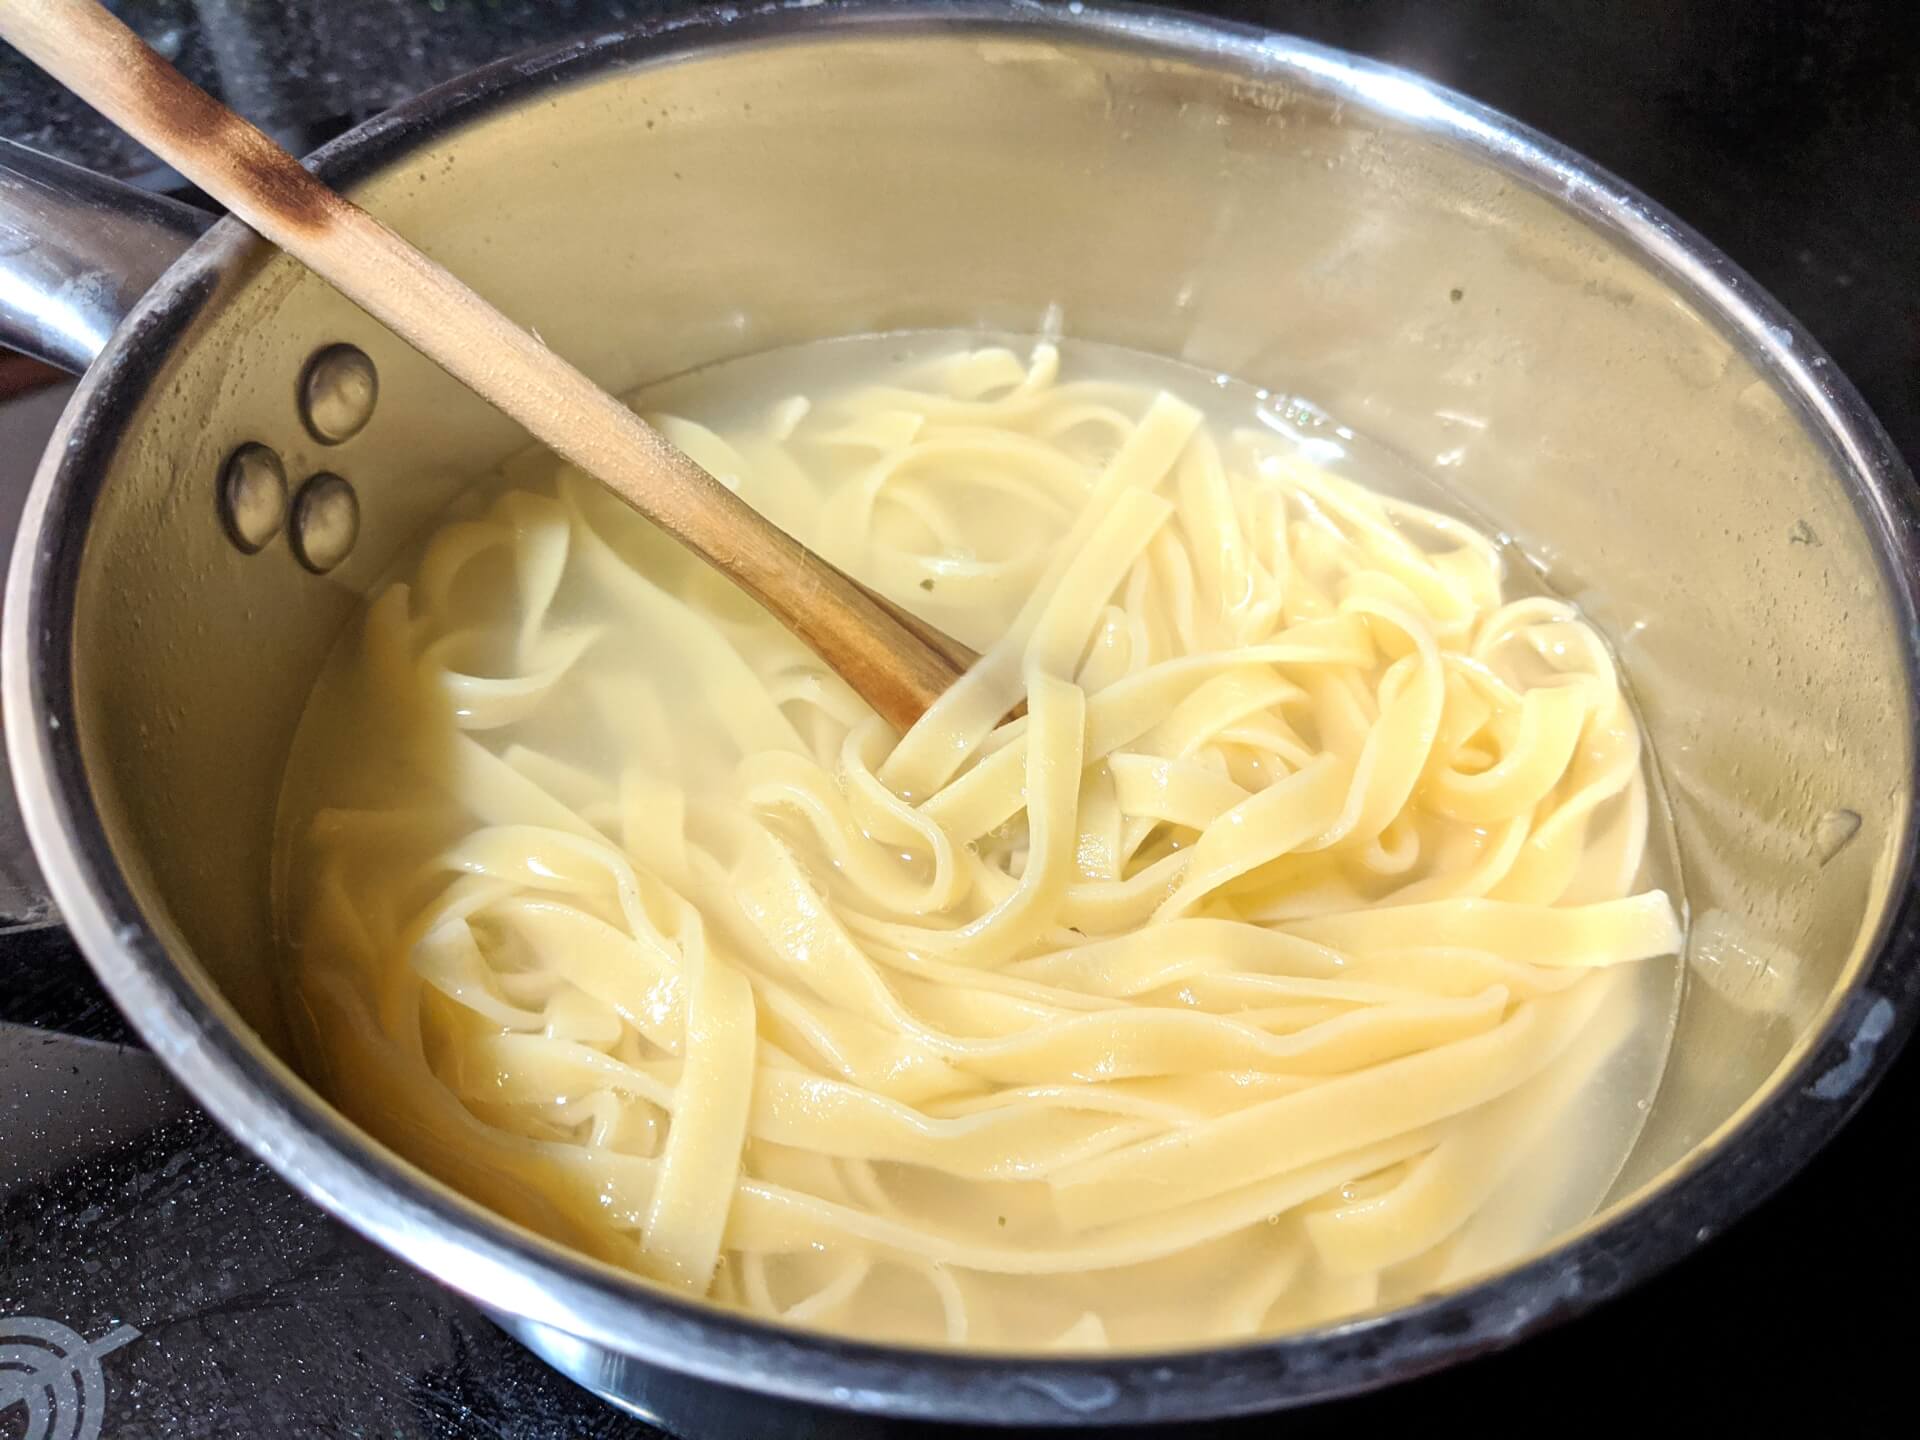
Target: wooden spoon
[(896, 663)]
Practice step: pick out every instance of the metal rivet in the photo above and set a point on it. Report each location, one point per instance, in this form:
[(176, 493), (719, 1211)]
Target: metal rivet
[(253, 497), (338, 390), (326, 522)]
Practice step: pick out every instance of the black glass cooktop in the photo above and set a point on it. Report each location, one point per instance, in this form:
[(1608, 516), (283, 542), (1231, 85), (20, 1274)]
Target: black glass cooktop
[(162, 1283)]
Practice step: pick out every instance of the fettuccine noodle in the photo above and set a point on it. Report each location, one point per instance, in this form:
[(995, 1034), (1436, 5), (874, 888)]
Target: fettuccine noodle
[(1219, 993)]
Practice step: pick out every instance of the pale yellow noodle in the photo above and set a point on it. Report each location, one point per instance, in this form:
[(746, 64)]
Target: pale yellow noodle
[(1219, 992)]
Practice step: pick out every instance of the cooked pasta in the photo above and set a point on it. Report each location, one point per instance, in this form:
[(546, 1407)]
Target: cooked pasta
[(1253, 977)]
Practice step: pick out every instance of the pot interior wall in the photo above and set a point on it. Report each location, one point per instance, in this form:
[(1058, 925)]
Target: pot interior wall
[(662, 216)]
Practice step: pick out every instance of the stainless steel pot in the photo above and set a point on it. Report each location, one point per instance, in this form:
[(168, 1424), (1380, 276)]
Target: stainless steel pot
[(1673, 449)]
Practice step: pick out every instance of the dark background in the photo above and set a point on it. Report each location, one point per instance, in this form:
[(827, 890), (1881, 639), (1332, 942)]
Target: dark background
[(1788, 133)]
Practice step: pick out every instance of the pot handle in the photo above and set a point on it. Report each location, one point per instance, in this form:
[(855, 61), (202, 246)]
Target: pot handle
[(76, 251)]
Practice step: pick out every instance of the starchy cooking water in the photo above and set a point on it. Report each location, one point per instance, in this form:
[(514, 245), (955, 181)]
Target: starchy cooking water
[(1306, 947)]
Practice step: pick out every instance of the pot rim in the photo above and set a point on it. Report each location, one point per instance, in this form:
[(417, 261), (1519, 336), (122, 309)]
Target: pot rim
[(259, 1100)]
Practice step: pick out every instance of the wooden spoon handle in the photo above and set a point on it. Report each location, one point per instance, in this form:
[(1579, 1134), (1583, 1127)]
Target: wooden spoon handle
[(891, 665), (959, 656)]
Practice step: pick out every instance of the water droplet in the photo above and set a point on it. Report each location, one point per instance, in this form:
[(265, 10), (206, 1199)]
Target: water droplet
[(1833, 832)]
